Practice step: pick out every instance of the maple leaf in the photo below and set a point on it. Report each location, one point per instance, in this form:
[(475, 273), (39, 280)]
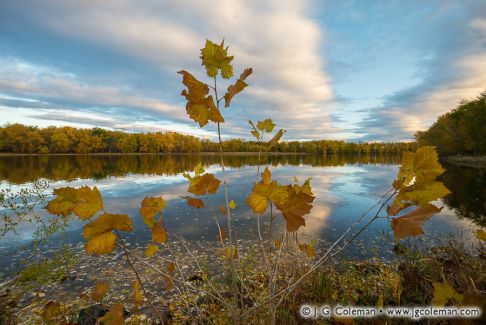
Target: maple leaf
[(200, 107), (296, 204), (170, 267), (443, 293), (265, 191), (203, 184), (150, 250), (168, 284), (150, 206), (276, 138), (423, 193), (84, 202), (51, 310), (266, 125), (114, 316), (99, 233), (416, 180), (481, 235), (409, 224), (237, 87), (159, 235), (99, 291), (193, 202), (215, 57), (137, 295)]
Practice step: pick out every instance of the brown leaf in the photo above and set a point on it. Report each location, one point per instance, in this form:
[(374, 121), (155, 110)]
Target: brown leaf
[(170, 267), (114, 316), (99, 291), (239, 85), (159, 235), (409, 224), (51, 310), (294, 207), (193, 202)]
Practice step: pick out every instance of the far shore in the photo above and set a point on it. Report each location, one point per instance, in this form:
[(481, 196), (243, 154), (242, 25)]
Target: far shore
[(8, 154), (467, 161)]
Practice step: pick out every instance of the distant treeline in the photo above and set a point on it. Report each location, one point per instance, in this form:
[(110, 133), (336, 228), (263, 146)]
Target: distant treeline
[(18, 138), (461, 131)]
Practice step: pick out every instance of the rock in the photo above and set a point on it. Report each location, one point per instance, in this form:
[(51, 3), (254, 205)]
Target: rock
[(89, 315)]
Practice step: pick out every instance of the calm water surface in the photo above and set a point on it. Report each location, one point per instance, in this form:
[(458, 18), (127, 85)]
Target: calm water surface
[(345, 187)]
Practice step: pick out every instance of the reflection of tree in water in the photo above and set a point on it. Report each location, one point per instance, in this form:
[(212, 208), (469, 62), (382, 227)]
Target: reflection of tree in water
[(468, 187), (22, 169)]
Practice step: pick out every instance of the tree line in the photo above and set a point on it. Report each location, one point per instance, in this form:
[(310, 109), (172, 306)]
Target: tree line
[(18, 138), (460, 131)]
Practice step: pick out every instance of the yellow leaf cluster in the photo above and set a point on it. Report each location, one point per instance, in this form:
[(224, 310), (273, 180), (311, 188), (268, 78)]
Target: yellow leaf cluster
[(200, 107), (215, 57), (83, 202), (294, 201), (237, 87), (416, 185), (99, 233), (203, 184)]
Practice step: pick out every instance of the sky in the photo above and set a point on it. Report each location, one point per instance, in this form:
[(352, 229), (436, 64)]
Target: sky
[(352, 70)]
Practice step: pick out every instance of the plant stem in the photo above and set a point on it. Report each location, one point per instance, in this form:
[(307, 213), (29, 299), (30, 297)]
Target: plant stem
[(228, 212), (138, 277)]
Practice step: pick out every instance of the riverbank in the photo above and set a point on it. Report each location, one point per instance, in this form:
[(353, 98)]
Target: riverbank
[(408, 280), (466, 161)]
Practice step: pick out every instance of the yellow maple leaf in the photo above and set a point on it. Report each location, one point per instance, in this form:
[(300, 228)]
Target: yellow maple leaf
[(200, 107), (237, 87), (443, 293), (215, 57), (203, 184), (99, 235), (264, 191), (114, 316), (266, 125), (99, 291), (150, 250), (159, 235), (149, 207), (84, 202)]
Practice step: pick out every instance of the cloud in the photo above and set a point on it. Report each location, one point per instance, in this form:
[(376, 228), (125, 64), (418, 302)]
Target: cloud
[(452, 68), (276, 38)]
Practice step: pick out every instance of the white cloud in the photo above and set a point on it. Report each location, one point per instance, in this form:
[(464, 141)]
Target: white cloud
[(276, 38)]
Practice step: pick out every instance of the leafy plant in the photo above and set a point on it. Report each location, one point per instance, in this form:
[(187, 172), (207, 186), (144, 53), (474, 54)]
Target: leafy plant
[(282, 262)]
